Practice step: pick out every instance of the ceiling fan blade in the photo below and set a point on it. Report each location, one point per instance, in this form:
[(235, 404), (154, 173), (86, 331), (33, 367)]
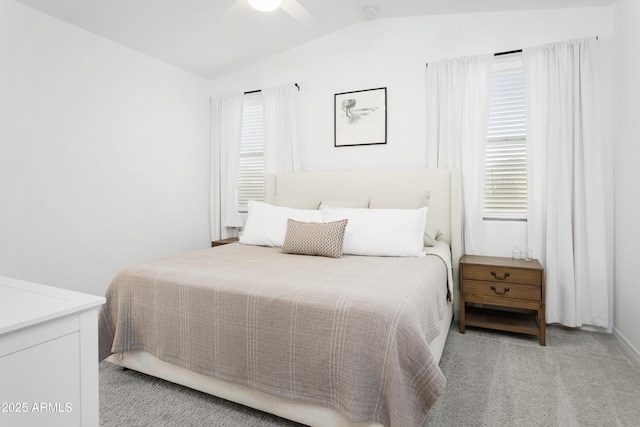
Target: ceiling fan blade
[(229, 8), (296, 11)]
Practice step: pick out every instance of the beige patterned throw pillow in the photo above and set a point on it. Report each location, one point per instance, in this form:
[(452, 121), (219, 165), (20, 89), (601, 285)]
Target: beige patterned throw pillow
[(314, 238)]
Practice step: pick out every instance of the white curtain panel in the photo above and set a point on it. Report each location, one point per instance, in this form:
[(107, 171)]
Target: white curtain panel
[(281, 129), (226, 133), (458, 93), (566, 219)]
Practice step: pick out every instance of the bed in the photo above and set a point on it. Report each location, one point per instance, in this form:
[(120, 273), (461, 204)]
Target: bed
[(347, 341)]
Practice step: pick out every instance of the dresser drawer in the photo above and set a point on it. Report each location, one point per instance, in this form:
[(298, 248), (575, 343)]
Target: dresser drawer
[(500, 274), (502, 290)]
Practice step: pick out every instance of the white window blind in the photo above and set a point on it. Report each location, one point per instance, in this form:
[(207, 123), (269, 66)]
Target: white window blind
[(506, 156), (251, 168)]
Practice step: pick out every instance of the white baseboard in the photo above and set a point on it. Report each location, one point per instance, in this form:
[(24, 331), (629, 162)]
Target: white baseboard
[(627, 345)]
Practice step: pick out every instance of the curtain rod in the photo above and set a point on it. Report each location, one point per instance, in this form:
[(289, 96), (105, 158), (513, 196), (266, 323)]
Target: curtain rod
[(510, 51), (260, 90)]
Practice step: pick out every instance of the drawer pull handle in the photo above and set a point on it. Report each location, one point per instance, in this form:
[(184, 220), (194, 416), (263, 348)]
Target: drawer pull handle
[(493, 273), (493, 288)]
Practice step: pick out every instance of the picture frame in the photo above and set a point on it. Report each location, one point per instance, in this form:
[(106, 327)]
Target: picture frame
[(360, 117)]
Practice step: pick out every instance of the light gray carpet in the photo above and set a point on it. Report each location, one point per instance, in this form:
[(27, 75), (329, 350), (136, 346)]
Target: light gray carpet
[(493, 379), (497, 379)]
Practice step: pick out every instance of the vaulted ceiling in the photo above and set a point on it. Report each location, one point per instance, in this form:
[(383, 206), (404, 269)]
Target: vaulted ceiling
[(214, 37)]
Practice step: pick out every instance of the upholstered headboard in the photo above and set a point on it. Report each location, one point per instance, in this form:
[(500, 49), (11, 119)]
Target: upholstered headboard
[(445, 210)]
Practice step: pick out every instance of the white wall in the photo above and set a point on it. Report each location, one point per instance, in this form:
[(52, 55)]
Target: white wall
[(627, 175), (392, 53), (103, 154)]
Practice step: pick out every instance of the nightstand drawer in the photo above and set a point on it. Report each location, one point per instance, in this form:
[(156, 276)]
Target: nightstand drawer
[(500, 274), (223, 241), (502, 290)]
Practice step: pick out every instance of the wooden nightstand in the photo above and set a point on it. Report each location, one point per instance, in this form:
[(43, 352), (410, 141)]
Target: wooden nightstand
[(223, 241), (502, 282)]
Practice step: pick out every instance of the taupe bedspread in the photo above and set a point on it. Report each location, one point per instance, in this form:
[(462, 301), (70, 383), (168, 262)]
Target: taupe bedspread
[(347, 333)]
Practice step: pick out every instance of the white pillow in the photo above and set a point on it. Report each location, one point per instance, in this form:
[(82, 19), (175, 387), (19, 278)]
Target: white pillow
[(381, 232), (267, 225), (407, 200)]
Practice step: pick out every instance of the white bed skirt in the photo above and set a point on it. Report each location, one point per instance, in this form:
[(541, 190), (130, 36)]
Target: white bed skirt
[(302, 412)]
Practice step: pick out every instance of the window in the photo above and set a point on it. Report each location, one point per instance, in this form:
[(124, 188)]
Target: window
[(251, 168), (506, 156)]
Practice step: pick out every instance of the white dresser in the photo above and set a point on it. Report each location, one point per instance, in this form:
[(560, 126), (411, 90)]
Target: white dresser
[(48, 356)]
